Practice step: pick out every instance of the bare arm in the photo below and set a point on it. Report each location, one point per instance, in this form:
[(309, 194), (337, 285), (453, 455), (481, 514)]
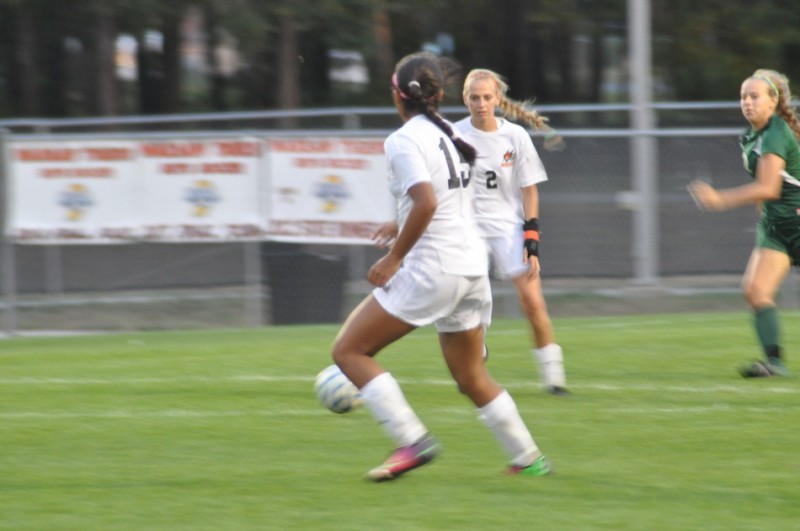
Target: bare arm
[(530, 201), (418, 219), (765, 187)]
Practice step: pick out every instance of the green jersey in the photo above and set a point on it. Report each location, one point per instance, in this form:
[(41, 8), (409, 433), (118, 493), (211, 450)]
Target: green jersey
[(778, 138)]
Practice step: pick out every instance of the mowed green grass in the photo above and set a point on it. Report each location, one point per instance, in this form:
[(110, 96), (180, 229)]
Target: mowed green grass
[(220, 430)]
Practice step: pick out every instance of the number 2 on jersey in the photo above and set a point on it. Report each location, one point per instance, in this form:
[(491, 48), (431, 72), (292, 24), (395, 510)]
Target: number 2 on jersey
[(454, 181), (491, 179)]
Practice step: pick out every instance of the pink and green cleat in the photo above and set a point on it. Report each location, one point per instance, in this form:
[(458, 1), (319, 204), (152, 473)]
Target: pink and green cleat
[(406, 458), (540, 467)]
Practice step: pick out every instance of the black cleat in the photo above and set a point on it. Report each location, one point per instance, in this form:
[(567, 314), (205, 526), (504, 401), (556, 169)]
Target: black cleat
[(763, 369)]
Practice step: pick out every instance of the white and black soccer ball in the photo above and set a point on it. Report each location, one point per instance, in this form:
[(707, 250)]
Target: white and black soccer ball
[(336, 391)]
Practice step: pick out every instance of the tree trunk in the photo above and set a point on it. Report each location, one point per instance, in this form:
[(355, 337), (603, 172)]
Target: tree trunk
[(382, 34), (563, 55), (288, 73), (522, 42), (596, 89), (217, 83), (102, 86), (173, 77), (51, 35), (539, 86), (26, 66), (151, 77)]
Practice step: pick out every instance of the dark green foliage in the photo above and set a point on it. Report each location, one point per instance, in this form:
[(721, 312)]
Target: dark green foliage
[(556, 51)]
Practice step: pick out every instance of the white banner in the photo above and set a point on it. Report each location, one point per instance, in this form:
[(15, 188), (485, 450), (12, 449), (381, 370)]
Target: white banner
[(201, 190), (307, 190), (73, 191), (332, 190)]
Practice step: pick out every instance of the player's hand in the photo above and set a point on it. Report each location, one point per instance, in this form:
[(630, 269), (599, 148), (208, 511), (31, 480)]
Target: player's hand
[(383, 270), (534, 269), (385, 235), (705, 196)]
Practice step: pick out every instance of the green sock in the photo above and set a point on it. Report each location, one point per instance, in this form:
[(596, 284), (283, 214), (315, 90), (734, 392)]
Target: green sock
[(768, 330)]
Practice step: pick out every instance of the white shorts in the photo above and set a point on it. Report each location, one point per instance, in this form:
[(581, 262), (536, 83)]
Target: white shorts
[(452, 302), (506, 253)]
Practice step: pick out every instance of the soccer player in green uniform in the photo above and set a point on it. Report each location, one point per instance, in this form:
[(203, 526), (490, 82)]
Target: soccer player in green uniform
[(771, 156)]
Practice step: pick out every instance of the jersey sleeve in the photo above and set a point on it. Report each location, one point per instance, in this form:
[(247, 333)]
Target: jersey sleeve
[(406, 162), (530, 169)]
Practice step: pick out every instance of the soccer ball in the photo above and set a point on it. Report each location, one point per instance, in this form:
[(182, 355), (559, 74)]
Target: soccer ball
[(336, 391)]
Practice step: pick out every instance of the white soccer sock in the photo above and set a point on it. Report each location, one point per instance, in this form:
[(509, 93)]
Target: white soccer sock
[(385, 400), (551, 365), (502, 417)]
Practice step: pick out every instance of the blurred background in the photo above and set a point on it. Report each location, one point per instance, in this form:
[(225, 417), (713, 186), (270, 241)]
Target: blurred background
[(61, 58), (619, 231)]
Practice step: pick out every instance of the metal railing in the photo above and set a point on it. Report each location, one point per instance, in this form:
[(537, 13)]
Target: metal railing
[(590, 203)]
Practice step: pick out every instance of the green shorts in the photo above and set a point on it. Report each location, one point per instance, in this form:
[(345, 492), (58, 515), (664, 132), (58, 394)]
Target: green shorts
[(783, 236)]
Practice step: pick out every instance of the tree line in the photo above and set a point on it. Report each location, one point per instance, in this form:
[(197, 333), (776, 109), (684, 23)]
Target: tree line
[(59, 57)]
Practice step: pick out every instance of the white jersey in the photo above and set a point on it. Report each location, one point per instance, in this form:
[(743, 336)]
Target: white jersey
[(507, 161), (421, 152)]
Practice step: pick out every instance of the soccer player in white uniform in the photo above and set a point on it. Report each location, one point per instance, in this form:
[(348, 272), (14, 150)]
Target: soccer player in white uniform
[(507, 170), (435, 272)]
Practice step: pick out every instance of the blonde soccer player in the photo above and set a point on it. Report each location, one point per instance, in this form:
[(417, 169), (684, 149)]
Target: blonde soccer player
[(507, 172), (771, 156)]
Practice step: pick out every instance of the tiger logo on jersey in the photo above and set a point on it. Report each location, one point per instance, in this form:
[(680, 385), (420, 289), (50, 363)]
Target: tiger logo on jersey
[(508, 158)]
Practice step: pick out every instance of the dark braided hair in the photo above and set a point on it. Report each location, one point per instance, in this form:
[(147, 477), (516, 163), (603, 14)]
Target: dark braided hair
[(419, 80)]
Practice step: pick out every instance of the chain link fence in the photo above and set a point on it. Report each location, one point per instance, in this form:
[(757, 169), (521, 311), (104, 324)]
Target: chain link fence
[(587, 218)]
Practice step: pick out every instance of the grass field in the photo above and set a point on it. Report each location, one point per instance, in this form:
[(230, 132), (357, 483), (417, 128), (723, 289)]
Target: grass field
[(220, 430)]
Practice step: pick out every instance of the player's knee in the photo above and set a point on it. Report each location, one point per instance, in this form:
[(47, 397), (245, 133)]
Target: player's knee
[(756, 298), (340, 353)]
